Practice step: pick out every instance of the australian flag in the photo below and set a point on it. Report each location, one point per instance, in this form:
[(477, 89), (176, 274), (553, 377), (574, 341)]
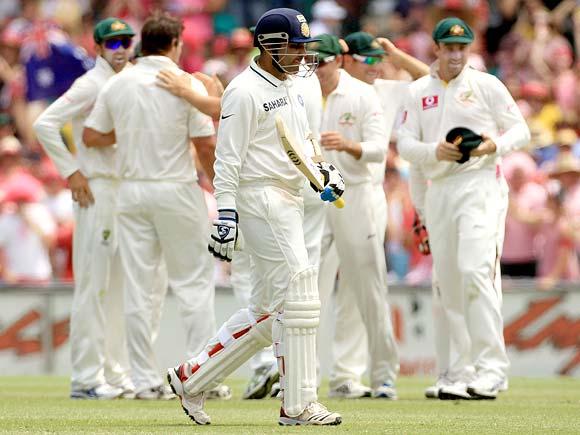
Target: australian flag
[(52, 62)]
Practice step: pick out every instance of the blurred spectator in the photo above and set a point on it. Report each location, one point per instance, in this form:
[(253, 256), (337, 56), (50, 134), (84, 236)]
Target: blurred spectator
[(526, 200), (241, 46), (27, 232), (327, 17)]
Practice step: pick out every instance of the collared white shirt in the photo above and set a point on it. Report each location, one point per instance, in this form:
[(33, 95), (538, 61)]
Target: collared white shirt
[(153, 127), (353, 109), (473, 99), (248, 148), (75, 105)]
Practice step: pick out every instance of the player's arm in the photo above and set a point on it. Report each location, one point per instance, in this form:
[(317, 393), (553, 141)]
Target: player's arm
[(509, 119), (76, 101), (99, 128), (180, 86), (403, 60), (409, 143), (205, 150)]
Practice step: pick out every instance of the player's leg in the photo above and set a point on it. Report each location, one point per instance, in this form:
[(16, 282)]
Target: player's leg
[(441, 222), (479, 250), (363, 273), (263, 364), (92, 256), (140, 256)]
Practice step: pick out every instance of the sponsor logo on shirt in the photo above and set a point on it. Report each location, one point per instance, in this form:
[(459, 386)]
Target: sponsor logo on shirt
[(430, 102), (274, 104)]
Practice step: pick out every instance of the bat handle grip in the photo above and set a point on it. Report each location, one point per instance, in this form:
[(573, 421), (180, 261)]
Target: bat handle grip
[(339, 203)]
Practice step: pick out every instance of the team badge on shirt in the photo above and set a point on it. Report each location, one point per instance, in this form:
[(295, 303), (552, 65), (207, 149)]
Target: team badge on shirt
[(430, 102), (106, 235), (347, 119)]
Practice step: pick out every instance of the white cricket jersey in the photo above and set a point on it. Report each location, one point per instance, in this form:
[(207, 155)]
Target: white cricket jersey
[(473, 99), (353, 109), (248, 149), (75, 105), (153, 127), (392, 95)]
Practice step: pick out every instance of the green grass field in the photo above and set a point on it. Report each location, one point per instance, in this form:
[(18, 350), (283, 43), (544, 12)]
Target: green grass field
[(543, 406)]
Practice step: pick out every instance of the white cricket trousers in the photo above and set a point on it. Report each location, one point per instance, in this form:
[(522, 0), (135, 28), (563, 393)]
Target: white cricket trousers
[(465, 217), (164, 218), (97, 325), (358, 233)]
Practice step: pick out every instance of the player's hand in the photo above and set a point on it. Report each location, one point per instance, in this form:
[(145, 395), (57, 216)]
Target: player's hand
[(333, 140), (178, 85), (224, 236), (212, 84), (333, 182), (448, 152), (421, 236), (81, 192), (387, 45), (488, 146)]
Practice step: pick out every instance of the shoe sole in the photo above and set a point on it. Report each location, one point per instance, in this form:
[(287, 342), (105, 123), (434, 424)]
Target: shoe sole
[(478, 396), (180, 400), (265, 389), (452, 396), (285, 421)]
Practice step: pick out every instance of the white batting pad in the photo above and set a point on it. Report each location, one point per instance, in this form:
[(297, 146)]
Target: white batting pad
[(295, 349), (236, 341)]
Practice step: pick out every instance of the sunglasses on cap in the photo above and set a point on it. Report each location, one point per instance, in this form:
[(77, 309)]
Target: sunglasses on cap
[(367, 60), (116, 43)]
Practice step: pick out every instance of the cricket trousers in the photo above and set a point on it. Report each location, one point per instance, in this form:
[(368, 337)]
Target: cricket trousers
[(465, 217), (164, 220)]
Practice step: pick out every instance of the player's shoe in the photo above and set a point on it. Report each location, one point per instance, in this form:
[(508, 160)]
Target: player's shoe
[(385, 391), (263, 379), (100, 392), (504, 386), (221, 392), (276, 392), (350, 390), (454, 391), (314, 414), (485, 387), (432, 392), (192, 405), (161, 392)]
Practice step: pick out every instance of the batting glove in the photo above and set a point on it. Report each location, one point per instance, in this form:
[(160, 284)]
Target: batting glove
[(421, 236), (224, 235), (333, 182)]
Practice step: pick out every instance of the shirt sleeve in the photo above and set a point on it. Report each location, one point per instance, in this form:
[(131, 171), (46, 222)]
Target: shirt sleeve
[(418, 189), (200, 125), (515, 132), (238, 125), (410, 144), (100, 118), (374, 133), (74, 103)]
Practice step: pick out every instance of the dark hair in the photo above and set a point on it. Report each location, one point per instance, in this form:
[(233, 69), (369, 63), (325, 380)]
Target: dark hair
[(158, 32)]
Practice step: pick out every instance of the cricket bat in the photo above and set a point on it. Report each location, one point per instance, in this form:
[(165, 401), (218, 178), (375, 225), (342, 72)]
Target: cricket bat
[(304, 164)]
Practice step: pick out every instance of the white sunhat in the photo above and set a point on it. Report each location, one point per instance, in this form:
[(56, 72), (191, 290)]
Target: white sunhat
[(328, 9)]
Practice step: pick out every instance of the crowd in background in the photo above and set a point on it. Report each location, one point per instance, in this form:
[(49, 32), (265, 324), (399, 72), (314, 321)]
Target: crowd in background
[(533, 46)]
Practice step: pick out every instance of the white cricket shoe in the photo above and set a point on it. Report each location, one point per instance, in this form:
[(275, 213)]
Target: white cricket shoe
[(161, 392), (313, 414), (385, 391), (350, 390), (221, 392), (192, 405), (276, 391), (432, 392), (454, 391), (100, 392), (486, 387), (263, 379)]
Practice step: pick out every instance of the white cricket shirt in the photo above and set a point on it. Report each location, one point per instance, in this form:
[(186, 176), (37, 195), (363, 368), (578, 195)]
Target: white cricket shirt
[(473, 99), (353, 109), (248, 149), (75, 105), (153, 127)]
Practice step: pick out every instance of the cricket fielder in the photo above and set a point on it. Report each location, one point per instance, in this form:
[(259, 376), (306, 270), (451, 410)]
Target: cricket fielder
[(161, 206), (97, 330), (465, 204), (353, 135), (258, 188)]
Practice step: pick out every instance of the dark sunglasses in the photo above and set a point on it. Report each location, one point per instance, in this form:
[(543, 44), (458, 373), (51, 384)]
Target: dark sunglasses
[(116, 43)]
